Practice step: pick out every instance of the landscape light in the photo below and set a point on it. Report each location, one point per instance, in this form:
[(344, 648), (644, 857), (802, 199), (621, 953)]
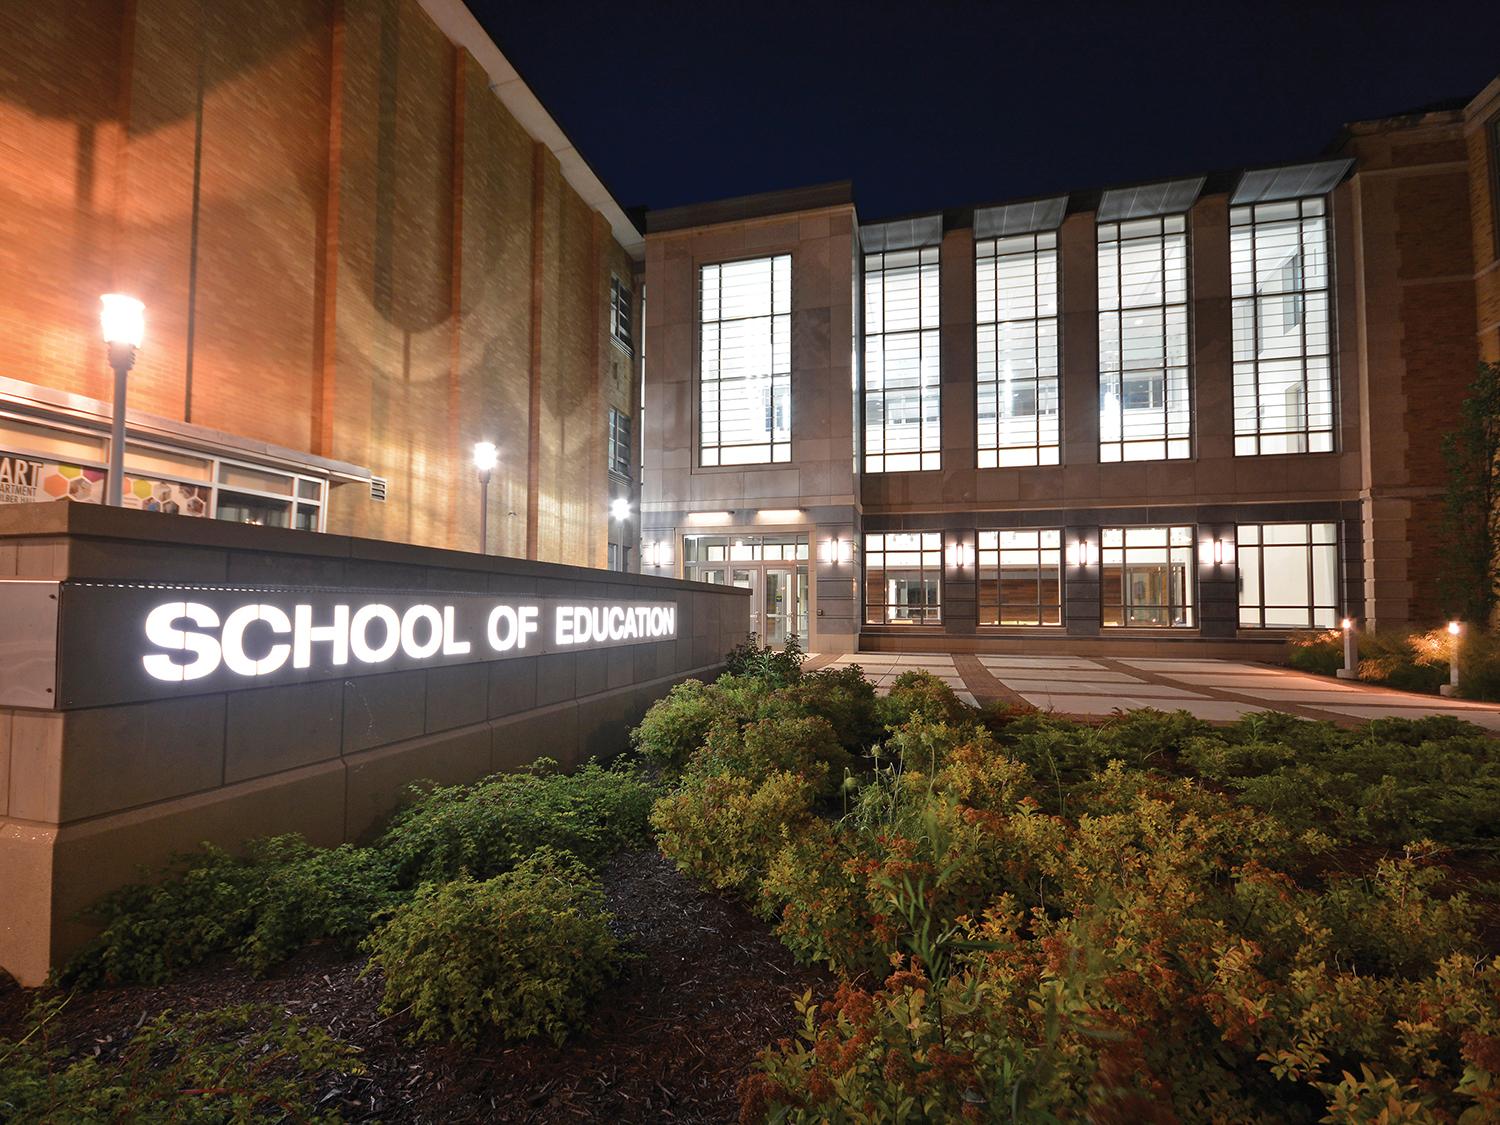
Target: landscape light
[(1350, 670)]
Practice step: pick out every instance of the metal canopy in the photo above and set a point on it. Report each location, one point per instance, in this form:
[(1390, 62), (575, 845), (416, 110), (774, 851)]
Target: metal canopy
[(902, 234), (1020, 218), (1290, 181), (1146, 201)]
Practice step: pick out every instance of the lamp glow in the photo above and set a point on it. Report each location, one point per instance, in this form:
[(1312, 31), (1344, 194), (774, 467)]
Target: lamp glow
[(1346, 624), (619, 508), (1454, 628), (486, 456), (123, 319)]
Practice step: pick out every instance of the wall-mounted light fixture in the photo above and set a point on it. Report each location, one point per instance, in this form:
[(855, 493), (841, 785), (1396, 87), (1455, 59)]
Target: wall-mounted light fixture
[(1083, 553), (840, 551), (960, 555), (710, 519), (1215, 552), (657, 553), (781, 515)]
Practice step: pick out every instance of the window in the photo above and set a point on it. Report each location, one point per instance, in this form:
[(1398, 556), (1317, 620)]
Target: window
[(1283, 368), (1016, 314), (619, 313), (1147, 576), (1020, 577), (903, 577), (1145, 407), (745, 362), (1288, 575), (902, 408), (619, 442)]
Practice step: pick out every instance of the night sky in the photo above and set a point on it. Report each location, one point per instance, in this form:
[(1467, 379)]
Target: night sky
[(945, 104)]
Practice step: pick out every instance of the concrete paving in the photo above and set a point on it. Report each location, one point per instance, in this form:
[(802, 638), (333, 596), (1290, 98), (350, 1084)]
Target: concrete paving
[(1215, 690)]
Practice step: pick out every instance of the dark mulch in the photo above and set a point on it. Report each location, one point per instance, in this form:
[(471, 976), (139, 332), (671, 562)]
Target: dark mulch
[(669, 1042)]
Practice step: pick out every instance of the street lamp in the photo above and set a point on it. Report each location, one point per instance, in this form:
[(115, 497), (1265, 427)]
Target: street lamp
[(123, 320), (485, 456)]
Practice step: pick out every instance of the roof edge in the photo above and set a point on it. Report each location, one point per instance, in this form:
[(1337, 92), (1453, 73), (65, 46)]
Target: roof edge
[(838, 193)]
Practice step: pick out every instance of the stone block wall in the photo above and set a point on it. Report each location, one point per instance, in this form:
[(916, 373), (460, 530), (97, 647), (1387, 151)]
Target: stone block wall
[(89, 795)]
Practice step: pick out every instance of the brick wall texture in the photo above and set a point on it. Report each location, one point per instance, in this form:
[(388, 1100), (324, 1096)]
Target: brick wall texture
[(346, 244)]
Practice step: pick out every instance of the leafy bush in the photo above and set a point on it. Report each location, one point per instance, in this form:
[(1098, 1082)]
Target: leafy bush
[(283, 893), (777, 667), (1402, 660), (921, 694), (807, 747), (725, 828), (676, 725), (1320, 652), (523, 952), (489, 827), (845, 699), (235, 1064), (1479, 666), (261, 907)]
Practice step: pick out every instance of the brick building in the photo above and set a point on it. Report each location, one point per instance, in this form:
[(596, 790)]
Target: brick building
[(363, 246), (1202, 410)]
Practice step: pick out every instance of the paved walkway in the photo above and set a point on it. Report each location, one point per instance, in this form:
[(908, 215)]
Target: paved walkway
[(1217, 690)]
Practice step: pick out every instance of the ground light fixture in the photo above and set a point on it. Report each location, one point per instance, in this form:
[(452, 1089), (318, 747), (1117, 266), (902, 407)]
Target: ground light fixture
[(1350, 670), (123, 320), (1455, 630), (485, 458), (619, 508)]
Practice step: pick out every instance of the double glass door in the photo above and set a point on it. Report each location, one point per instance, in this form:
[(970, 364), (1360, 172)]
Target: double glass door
[(778, 589)]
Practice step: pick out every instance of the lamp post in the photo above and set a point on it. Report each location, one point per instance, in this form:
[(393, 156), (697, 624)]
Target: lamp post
[(123, 320), (485, 456), (1451, 687)]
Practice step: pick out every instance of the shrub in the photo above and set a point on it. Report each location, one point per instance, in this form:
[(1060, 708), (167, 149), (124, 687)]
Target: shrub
[(921, 694), (261, 906), (489, 827), (1479, 666), (845, 699), (676, 725), (777, 667), (236, 1064), (1320, 652), (724, 829), (523, 952), (807, 747)]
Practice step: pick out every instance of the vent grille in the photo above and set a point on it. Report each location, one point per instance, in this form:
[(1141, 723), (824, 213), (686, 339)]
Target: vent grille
[(377, 489)]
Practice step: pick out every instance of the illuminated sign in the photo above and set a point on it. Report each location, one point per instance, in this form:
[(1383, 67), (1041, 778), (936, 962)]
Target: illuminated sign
[(120, 642)]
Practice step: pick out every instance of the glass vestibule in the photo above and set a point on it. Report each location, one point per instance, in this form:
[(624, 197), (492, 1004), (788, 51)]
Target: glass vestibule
[(772, 567)]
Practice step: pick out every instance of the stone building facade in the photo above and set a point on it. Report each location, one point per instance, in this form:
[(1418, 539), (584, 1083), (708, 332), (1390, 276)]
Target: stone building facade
[(1234, 387)]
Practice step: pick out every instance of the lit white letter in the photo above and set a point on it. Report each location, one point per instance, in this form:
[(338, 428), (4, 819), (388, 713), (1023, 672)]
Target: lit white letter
[(233, 640), (162, 631), (452, 646), (508, 615), (434, 640), (564, 619), (616, 622), (529, 615), (305, 633), (359, 640)]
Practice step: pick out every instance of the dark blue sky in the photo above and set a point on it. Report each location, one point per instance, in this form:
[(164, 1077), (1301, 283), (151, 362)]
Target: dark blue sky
[(955, 102)]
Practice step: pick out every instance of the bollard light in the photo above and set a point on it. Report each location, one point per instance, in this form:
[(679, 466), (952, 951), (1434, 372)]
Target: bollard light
[(1455, 629), (1350, 670), (123, 322)]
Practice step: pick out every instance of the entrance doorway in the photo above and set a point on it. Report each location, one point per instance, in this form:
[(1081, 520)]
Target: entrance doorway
[(772, 567)]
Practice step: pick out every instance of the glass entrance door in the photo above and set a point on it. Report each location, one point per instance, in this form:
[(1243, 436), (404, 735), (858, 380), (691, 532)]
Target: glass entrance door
[(781, 605), (745, 578)]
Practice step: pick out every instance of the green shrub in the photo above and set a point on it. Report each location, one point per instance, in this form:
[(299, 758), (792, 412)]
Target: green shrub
[(523, 952), (261, 907), (674, 728), (807, 747), (489, 827), (724, 829), (1320, 652), (845, 699), (235, 1064), (777, 667), (1479, 666), (921, 694)]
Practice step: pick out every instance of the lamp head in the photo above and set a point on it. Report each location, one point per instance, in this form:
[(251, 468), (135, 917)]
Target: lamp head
[(1454, 628), (619, 508), (123, 321), (1346, 624), (485, 456)]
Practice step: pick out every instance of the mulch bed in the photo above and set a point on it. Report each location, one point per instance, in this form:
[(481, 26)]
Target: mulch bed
[(669, 1042)]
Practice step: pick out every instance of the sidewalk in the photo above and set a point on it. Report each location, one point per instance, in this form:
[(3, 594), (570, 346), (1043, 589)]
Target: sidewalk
[(1216, 690)]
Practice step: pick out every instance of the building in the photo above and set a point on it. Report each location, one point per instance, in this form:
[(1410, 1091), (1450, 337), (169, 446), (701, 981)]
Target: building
[(1200, 410), (363, 246)]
